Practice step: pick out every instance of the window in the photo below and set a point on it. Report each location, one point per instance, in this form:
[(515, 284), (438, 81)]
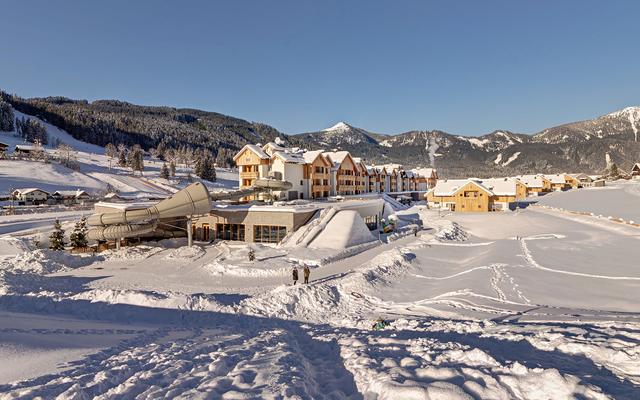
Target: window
[(268, 233), (470, 194), (371, 221), (230, 232)]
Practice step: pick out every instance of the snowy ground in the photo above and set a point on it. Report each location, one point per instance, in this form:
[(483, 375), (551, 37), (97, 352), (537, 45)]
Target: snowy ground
[(533, 304), (618, 199)]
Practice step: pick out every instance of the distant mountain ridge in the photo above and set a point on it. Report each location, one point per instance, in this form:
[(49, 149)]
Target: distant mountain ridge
[(578, 146)]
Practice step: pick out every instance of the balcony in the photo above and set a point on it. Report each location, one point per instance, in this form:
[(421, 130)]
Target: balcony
[(249, 175)]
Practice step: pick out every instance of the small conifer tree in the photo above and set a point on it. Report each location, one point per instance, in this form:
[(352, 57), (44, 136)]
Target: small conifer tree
[(79, 235), (164, 171), (56, 239)]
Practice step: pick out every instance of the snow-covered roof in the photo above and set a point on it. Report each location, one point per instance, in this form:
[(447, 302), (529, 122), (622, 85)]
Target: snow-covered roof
[(2, 144), (531, 181), (426, 172), (310, 156), (448, 187), (292, 158), (254, 148), (25, 147), (501, 186), (29, 190), (271, 147), (70, 193), (337, 157), (635, 167), (556, 178)]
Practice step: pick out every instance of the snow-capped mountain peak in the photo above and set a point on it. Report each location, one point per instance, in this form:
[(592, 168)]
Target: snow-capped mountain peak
[(339, 127)]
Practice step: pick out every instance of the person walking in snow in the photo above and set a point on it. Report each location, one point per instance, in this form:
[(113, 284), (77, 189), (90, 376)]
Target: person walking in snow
[(295, 275), (415, 231), (307, 272)]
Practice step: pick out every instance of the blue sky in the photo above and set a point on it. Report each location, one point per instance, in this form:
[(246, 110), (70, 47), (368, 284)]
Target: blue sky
[(466, 67)]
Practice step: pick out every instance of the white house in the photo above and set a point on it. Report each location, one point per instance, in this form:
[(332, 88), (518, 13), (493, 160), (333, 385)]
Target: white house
[(28, 196), (289, 167)]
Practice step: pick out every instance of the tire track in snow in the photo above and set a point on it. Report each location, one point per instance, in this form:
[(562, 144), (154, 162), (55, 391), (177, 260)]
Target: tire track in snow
[(526, 253)]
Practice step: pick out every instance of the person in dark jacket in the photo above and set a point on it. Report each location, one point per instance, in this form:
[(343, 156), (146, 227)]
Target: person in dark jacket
[(295, 275), (307, 272)]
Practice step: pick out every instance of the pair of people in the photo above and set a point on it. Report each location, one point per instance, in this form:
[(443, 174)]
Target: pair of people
[(306, 272)]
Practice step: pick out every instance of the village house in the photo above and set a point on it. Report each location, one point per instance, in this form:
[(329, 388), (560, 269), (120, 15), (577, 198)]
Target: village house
[(558, 182), (70, 197), (536, 184), (30, 196), (475, 195)]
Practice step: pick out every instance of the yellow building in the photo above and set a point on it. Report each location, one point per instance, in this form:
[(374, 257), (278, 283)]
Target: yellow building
[(475, 195)]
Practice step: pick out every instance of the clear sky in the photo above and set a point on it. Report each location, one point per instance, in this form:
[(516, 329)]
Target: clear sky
[(466, 67)]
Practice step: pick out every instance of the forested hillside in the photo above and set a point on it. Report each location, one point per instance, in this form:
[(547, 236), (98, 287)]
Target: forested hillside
[(111, 121)]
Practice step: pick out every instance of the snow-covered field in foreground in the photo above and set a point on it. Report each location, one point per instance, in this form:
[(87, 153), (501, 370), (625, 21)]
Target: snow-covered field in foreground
[(535, 304)]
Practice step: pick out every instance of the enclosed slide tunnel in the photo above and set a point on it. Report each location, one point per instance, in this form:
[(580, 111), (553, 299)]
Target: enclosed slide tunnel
[(195, 199)]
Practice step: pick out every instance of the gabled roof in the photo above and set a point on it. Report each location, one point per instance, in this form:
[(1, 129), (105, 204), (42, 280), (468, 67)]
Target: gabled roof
[(532, 181), (501, 186), (254, 148), (29, 190), (70, 193), (25, 147), (311, 156), (271, 148), (556, 178), (291, 158), (2, 144), (426, 172), (448, 187), (636, 166), (337, 156)]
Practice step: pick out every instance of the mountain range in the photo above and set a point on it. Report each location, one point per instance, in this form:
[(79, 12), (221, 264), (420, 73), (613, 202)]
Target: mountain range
[(584, 146)]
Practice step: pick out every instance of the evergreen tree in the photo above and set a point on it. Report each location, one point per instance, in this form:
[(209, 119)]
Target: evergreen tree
[(172, 168), (205, 166), (135, 159), (110, 150), (56, 238), (122, 155), (79, 235), (6, 117), (164, 171)]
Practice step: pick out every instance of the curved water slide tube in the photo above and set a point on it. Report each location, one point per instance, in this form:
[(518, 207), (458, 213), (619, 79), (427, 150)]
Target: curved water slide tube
[(195, 199)]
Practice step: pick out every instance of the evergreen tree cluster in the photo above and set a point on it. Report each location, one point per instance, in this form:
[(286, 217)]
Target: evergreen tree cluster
[(110, 121), (32, 130), (6, 117), (205, 166)]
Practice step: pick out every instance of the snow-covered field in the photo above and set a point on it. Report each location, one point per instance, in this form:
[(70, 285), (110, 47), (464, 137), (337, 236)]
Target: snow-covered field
[(620, 199), (540, 303), (533, 304)]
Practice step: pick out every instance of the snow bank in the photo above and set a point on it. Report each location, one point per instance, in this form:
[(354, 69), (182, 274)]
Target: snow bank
[(47, 261)]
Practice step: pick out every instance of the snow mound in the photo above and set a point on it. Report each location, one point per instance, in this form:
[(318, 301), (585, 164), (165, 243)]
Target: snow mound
[(46, 261), (451, 231), (346, 229), (185, 253)]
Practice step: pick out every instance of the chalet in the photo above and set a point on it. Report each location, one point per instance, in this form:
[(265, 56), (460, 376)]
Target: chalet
[(70, 197), (572, 181), (23, 149), (383, 179), (536, 184), (342, 173), (558, 182), (635, 171), (30, 196), (474, 195), (583, 180), (362, 176), (3, 146), (290, 167)]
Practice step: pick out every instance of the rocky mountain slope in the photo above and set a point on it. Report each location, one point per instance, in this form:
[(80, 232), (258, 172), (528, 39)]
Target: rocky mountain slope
[(578, 146)]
